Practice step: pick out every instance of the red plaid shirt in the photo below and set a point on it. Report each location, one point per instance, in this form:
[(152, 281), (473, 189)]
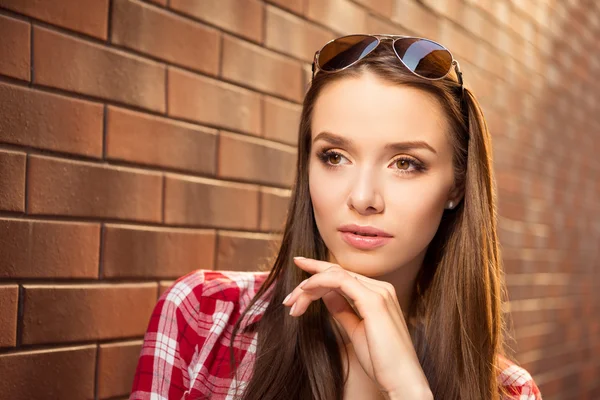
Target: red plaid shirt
[(185, 354)]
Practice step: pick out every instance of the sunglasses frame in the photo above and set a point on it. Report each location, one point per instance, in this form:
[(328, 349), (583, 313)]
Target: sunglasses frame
[(316, 67)]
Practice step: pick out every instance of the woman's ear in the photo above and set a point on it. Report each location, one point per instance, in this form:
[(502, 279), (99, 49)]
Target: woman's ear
[(454, 197)]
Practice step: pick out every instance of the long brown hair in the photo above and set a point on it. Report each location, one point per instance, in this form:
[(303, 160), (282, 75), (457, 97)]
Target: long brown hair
[(458, 291)]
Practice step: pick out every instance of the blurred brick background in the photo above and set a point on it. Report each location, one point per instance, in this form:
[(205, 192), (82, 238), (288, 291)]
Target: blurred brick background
[(142, 140)]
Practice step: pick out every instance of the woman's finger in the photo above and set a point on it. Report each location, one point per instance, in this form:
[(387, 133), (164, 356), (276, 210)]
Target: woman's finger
[(311, 265), (343, 313), (301, 297), (366, 300), (381, 339), (393, 304), (316, 266), (384, 288)]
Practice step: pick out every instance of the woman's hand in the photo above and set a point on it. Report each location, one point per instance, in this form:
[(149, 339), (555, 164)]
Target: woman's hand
[(379, 333)]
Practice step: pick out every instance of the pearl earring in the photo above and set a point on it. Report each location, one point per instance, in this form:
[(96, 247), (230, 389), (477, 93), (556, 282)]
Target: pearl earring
[(450, 205)]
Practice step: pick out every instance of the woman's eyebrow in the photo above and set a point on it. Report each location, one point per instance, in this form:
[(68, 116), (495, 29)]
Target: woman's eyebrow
[(341, 141)]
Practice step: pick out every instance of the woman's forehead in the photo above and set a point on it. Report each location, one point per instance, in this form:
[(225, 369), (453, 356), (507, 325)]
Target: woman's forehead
[(367, 109)]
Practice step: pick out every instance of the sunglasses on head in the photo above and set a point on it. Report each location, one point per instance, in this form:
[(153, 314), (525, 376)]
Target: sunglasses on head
[(423, 57)]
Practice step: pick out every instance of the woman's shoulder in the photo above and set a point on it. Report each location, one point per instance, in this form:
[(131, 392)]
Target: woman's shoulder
[(225, 286), (187, 328), (516, 381)]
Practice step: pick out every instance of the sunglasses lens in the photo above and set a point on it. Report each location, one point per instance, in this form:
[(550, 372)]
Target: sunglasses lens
[(424, 57), (344, 51)]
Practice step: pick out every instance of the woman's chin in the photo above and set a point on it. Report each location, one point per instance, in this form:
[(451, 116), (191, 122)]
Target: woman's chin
[(370, 267)]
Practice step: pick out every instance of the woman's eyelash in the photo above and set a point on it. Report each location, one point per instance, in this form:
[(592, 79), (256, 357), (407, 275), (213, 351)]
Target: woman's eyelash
[(325, 155), (417, 165)]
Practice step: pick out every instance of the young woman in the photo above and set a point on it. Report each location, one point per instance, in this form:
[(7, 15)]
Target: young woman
[(388, 281)]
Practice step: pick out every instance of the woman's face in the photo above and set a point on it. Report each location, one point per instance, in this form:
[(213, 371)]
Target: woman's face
[(380, 158)]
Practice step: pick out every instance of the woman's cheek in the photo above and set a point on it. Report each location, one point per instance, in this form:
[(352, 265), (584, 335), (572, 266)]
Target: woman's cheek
[(318, 194), (326, 189), (417, 208)]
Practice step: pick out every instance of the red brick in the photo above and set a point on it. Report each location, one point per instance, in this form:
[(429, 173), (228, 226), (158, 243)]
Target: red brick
[(296, 6), (471, 18), (462, 45), (484, 5), (459, 12), (9, 298), (543, 16), (165, 35), (482, 84), (97, 70), (531, 336), (150, 140), (382, 7), (14, 48), (163, 286), (549, 358), (306, 76), (210, 203), (62, 187), (12, 180), (414, 17), (156, 252), (33, 118), (243, 17), (342, 16), (257, 160), (496, 121), (274, 205), (519, 24), (64, 313), (85, 16), (532, 58), (58, 373), (281, 120), (503, 13), (530, 9), (246, 251), (261, 69), (378, 25), (116, 367), (505, 42), (489, 31), (293, 35), (492, 61), (45, 249), (212, 102)]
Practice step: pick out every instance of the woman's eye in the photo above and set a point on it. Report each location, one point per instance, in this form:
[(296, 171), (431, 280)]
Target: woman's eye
[(331, 158), (334, 158), (407, 165), (403, 164)]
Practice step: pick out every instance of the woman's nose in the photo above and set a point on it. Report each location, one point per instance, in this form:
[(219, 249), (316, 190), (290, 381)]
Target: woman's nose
[(365, 195)]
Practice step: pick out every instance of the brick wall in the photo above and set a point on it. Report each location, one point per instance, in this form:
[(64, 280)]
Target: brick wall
[(142, 140)]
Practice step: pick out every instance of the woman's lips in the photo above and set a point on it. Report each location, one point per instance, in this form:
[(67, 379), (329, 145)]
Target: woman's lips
[(364, 242)]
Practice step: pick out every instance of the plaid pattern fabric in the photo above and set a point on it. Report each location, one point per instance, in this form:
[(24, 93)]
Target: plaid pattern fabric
[(185, 354), (519, 384)]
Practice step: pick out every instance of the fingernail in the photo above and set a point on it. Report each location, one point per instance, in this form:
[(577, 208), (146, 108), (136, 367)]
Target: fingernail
[(287, 298), (302, 283), (299, 258), (293, 308)]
